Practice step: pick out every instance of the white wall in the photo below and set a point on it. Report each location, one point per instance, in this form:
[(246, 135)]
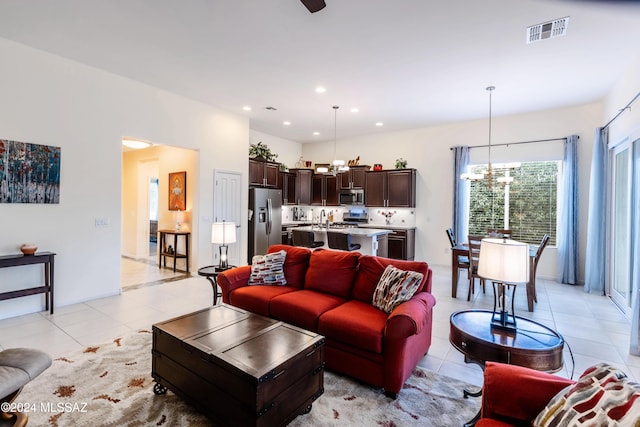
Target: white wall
[(427, 150), (53, 101), (619, 96)]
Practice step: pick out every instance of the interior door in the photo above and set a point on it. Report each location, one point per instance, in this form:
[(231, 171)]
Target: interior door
[(620, 243), (227, 206)]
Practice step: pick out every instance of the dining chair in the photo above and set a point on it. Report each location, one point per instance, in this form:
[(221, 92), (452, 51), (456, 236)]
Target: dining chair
[(499, 232), (532, 295), (463, 260), (474, 259)]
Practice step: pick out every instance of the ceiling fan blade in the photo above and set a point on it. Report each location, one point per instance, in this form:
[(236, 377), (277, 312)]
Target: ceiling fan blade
[(314, 5)]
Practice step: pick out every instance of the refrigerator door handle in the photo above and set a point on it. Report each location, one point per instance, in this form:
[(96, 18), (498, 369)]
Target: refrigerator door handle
[(269, 215)]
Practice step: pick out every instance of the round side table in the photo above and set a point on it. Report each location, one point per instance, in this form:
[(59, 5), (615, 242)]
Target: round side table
[(211, 272), (531, 344)]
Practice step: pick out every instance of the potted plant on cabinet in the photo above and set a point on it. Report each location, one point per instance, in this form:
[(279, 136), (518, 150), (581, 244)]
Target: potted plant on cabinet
[(262, 152)]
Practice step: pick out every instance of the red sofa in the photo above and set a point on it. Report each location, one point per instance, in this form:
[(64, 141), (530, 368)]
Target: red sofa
[(330, 292), (514, 396)]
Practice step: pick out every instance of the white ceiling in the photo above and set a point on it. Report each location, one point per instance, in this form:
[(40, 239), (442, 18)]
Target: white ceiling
[(406, 63)]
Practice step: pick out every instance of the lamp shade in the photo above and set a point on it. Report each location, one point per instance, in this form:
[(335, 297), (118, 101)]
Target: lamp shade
[(223, 232), (504, 260)]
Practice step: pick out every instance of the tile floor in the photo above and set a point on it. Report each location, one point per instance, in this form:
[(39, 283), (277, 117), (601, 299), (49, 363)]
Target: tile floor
[(592, 326)]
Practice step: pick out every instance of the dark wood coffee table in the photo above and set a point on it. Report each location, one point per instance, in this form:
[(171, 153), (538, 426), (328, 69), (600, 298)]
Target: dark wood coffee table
[(532, 344), (237, 367)]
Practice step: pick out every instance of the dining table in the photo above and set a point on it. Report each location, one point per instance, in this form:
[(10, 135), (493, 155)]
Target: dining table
[(462, 249)]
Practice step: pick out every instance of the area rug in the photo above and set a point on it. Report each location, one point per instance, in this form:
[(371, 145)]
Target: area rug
[(111, 385)]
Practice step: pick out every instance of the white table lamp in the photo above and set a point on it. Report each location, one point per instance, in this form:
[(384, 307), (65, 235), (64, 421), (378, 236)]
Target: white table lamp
[(506, 263), (223, 233)]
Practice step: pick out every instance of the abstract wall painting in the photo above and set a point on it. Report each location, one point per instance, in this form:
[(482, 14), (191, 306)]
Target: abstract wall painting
[(29, 173)]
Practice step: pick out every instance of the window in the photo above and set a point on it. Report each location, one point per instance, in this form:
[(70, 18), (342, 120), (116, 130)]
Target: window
[(527, 205)]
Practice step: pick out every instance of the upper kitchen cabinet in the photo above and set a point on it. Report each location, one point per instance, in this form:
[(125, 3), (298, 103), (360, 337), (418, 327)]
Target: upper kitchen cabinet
[(302, 186), (263, 174), (287, 183), (324, 190), (390, 188), (354, 177)]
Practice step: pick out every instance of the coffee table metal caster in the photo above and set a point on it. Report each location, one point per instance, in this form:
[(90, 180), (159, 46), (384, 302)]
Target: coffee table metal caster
[(159, 389)]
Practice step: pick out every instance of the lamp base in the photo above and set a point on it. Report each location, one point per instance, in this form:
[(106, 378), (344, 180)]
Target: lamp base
[(224, 259), (502, 317)]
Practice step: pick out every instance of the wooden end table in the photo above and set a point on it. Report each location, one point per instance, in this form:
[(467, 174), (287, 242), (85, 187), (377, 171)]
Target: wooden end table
[(532, 344)]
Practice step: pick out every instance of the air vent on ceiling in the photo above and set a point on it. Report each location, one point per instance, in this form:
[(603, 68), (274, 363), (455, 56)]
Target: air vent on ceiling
[(547, 30)]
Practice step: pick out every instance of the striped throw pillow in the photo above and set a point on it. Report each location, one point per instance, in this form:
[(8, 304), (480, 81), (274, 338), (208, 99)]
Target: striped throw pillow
[(603, 396), (395, 287), (268, 269)]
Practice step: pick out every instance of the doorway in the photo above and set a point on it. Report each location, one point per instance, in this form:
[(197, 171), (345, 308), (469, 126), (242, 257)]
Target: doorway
[(227, 202), (153, 218)]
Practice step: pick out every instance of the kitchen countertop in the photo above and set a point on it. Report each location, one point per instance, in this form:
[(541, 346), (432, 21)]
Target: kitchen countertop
[(354, 231), (378, 226)]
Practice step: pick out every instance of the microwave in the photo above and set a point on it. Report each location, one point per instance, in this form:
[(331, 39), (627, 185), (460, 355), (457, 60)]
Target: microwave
[(352, 196)]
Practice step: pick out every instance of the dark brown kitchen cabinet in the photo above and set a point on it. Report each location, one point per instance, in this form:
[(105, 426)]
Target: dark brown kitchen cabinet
[(390, 188), (302, 186), (263, 174), (401, 244), (324, 191), (354, 177), (287, 183)]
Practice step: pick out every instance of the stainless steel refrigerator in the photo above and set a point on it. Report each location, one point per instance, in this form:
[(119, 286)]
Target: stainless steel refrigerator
[(265, 220)]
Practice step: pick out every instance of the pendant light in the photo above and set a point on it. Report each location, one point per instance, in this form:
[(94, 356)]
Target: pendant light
[(489, 172), (338, 165)]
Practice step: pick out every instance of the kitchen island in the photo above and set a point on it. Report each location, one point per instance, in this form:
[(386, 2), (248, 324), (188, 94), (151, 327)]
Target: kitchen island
[(373, 241)]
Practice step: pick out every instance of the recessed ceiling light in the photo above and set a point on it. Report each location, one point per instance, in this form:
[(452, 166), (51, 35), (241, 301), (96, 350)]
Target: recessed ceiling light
[(316, 133), (136, 144), (379, 124), (286, 123), (320, 89), (246, 108), (355, 110)]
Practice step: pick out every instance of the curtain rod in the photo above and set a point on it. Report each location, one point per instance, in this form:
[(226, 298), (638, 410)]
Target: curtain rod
[(516, 143), (627, 107)]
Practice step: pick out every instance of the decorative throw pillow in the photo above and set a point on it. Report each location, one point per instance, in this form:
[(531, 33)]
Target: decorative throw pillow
[(603, 396), (268, 269), (394, 287)]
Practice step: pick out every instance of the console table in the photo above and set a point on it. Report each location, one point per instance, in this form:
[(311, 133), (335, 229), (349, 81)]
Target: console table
[(163, 253), (45, 258)]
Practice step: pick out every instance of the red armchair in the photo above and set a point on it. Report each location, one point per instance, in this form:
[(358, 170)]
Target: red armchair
[(514, 396)]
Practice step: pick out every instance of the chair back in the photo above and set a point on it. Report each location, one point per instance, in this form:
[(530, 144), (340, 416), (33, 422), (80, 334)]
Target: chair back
[(543, 244), (452, 237), (474, 251), (502, 233), (341, 241), (305, 238)]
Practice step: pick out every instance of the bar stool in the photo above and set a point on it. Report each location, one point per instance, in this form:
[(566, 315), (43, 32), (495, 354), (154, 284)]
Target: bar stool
[(341, 241), (305, 238)]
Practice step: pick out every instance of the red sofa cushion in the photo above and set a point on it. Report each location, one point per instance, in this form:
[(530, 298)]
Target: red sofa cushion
[(371, 269), (355, 323), (332, 272), (303, 308), (295, 263), (256, 298)]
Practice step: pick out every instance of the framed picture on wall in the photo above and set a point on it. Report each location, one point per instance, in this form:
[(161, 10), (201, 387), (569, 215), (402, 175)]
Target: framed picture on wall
[(177, 191)]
